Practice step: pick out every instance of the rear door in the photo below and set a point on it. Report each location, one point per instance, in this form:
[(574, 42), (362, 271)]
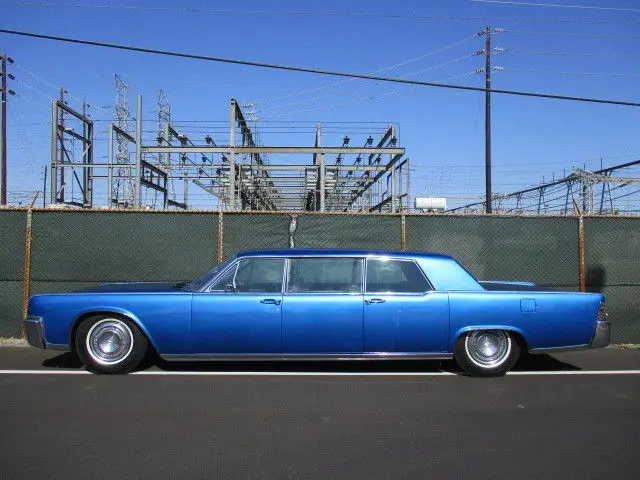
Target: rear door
[(402, 314), (322, 306), (241, 313)]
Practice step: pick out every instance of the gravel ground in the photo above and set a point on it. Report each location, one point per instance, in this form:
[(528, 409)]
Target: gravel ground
[(13, 342)]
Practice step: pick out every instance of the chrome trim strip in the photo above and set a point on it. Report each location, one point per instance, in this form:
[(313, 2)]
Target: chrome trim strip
[(602, 335), (34, 330), (305, 357), (57, 346), (559, 349)]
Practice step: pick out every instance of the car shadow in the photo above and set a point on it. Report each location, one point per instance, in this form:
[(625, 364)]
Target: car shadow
[(538, 363), (542, 363), (64, 360)]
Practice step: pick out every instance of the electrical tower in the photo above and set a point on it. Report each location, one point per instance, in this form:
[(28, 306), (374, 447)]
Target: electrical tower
[(123, 189)]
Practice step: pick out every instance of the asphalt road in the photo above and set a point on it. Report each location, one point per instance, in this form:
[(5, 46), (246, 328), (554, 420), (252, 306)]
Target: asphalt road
[(554, 418)]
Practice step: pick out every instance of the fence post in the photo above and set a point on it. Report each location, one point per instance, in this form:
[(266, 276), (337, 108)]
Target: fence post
[(403, 232), (582, 277), (26, 283), (220, 236)]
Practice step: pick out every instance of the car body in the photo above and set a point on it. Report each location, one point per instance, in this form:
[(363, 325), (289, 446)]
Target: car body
[(319, 304)]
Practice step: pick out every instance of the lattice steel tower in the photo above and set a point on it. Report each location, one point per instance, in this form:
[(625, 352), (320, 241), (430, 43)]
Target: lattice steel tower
[(123, 185)]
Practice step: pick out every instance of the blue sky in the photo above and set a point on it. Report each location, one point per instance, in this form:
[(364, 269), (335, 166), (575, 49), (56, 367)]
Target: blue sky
[(570, 51)]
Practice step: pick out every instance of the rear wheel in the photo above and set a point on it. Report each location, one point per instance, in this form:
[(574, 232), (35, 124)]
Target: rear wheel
[(487, 353), (110, 344)]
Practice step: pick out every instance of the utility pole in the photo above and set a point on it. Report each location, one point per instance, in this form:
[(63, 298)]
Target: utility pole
[(487, 120), (4, 59), (487, 115)]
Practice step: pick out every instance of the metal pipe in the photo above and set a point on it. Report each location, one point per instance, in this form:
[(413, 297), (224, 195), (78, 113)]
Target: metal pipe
[(232, 155), (26, 282), (582, 277), (54, 152), (231, 149), (110, 166), (137, 194)]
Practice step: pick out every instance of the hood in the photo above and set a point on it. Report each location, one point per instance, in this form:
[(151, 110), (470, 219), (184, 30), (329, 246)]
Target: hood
[(135, 287)]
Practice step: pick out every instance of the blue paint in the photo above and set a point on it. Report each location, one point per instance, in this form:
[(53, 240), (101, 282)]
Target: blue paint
[(189, 319)]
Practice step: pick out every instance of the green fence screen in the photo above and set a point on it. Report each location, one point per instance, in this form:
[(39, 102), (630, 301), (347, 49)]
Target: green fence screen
[(75, 249), (12, 247), (612, 247), (539, 249)]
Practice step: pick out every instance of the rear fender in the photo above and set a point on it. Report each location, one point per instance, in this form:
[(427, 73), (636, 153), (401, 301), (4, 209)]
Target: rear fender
[(508, 328)]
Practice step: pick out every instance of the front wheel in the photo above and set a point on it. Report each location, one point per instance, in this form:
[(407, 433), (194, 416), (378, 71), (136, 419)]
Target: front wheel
[(110, 344), (487, 353)]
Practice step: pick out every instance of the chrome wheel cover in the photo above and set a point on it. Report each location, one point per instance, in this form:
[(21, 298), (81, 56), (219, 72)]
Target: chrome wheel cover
[(109, 341), (488, 348)]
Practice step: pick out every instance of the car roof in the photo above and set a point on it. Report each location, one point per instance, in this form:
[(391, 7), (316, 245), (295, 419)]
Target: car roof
[(337, 252)]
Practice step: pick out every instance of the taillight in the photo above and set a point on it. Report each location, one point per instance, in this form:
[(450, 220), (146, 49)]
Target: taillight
[(602, 313)]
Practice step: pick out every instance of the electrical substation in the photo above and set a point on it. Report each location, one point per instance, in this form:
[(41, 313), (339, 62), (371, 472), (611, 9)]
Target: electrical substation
[(161, 167)]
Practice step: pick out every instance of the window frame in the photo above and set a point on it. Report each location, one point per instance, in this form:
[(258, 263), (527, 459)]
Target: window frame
[(235, 265), (324, 257), (430, 287)]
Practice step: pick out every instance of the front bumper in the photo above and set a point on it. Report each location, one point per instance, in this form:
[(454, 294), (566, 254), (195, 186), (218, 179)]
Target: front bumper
[(602, 335), (34, 329)]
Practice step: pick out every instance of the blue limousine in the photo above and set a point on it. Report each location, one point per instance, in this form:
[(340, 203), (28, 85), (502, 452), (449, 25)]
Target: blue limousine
[(305, 304)]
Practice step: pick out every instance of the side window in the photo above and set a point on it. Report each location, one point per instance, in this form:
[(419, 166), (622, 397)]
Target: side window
[(260, 275), (395, 276), (325, 275), (225, 282), (253, 275)]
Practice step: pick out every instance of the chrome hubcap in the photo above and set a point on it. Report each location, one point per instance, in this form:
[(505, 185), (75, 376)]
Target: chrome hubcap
[(488, 348), (109, 341)]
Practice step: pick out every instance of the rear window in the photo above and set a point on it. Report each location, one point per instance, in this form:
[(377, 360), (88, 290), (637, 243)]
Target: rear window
[(325, 275), (395, 276)]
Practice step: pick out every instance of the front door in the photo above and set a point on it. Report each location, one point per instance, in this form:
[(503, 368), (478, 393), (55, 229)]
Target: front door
[(322, 306), (401, 312), (241, 314)]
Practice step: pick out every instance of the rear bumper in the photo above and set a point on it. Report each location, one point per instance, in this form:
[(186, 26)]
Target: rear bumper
[(34, 329), (602, 335)]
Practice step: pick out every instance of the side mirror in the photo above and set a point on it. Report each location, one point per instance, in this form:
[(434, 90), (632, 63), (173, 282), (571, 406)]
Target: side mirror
[(230, 288)]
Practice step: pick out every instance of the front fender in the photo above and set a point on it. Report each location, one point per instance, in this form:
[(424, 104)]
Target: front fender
[(106, 310)]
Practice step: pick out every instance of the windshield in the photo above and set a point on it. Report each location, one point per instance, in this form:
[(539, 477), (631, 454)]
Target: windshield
[(201, 281)]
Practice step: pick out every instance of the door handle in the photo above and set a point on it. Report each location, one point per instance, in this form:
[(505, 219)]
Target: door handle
[(374, 300), (270, 301)]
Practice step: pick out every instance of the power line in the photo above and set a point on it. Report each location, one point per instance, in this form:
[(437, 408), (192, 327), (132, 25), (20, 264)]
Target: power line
[(391, 67), (360, 99), (365, 87), (568, 34), (558, 5), (552, 72), (578, 54), (300, 13), (313, 70)]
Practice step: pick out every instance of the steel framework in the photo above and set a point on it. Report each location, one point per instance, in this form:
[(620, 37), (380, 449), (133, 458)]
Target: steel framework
[(337, 178), (581, 191), (64, 159)]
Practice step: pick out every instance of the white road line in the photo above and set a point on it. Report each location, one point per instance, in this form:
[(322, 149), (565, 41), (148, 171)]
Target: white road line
[(317, 374)]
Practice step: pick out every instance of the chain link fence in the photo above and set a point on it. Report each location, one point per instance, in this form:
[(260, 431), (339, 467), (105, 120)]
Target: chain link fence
[(253, 231), (373, 232), (12, 241), (538, 249), (75, 249), (612, 246)]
